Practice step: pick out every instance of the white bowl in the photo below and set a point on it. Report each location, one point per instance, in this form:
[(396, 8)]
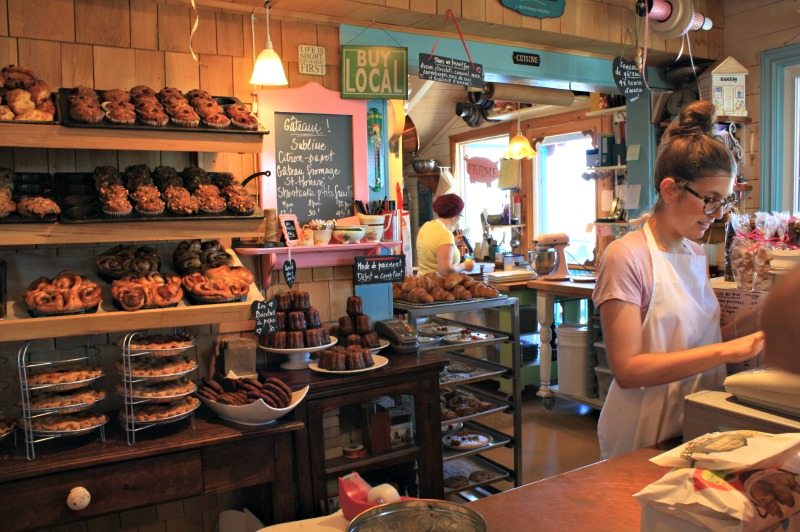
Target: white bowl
[(257, 412), (349, 234), (374, 233)]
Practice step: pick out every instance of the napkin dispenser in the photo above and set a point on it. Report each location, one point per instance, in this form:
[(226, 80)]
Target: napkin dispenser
[(402, 337)]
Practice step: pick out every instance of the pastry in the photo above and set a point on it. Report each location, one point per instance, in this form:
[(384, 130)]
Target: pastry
[(159, 342), (6, 113), (244, 205), (7, 425), (456, 481), (71, 401), (301, 301), (164, 368), (312, 318), (159, 412), (86, 112), (363, 324), (142, 90), (481, 475), (220, 284), (217, 120), (64, 374), (116, 95), (160, 390), (296, 321), (151, 290), (39, 91), (332, 360), (467, 439), (17, 77), (20, 101), (66, 292), (69, 422)]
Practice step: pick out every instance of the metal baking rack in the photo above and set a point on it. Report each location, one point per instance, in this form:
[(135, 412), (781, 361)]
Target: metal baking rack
[(32, 359), (128, 415)]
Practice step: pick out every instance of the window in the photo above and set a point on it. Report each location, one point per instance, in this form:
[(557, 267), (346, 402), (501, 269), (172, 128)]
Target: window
[(566, 201)]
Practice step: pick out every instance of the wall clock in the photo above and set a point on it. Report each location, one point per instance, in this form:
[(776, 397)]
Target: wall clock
[(678, 100)]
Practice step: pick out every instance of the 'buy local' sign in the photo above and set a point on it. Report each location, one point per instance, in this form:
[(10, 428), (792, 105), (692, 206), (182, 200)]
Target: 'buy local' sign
[(375, 72)]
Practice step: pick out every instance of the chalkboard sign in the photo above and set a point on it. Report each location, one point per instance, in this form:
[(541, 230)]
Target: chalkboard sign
[(314, 165), (452, 71), (289, 269), (376, 269), (628, 79), (266, 316)]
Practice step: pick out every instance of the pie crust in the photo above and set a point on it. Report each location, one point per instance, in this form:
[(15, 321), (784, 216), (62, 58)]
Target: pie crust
[(74, 401), (164, 368), (159, 344), (69, 422), (64, 377), (160, 391), (7, 425), (467, 440)]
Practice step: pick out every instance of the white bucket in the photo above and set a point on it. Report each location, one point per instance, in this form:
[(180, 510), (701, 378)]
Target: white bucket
[(575, 376)]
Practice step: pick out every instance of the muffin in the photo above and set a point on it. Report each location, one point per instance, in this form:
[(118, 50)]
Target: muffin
[(241, 205), (116, 96), (212, 204), (183, 205), (186, 117), (217, 120), (150, 207), (117, 206)]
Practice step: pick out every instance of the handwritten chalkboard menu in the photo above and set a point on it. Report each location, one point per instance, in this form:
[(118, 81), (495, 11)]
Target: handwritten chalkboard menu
[(449, 70), (265, 316), (628, 79), (314, 165), (376, 269)]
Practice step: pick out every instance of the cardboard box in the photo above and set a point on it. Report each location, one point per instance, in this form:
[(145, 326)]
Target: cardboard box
[(723, 84)]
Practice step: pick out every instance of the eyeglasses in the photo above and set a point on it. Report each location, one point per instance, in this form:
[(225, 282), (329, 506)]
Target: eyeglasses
[(712, 205)]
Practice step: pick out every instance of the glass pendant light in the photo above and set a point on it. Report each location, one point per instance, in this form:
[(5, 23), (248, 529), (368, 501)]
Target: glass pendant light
[(519, 147), (268, 68)]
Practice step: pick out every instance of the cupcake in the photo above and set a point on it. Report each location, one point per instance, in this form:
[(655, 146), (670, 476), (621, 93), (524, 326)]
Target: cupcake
[(212, 204), (171, 193), (119, 114), (183, 205), (186, 117), (194, 93), (144, 193), (234, 190), (117, 206), (142, 90), (116, 95), (217, 120), (168, 92), (112, 192), (87, 112), (150, 207), (243, 205), (153, 118)]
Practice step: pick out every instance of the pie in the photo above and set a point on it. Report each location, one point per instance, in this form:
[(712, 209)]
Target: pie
[(64, 375), (467, 439), (7, 424), (78, 400), (152, 368), (160, 412), (69, 422), (159, 390), (158, 341)]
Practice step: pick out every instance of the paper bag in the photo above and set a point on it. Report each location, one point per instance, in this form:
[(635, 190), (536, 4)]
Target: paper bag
[(509, 174)]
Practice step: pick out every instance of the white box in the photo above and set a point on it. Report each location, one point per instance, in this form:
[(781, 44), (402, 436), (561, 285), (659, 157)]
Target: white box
[(723, 84)]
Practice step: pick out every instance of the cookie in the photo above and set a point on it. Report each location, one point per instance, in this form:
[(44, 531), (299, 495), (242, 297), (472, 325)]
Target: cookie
[(456, 481), (481, 475)]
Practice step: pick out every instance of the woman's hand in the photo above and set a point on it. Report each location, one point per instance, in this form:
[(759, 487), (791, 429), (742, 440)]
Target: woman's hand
[(468, 265), (744, 347)]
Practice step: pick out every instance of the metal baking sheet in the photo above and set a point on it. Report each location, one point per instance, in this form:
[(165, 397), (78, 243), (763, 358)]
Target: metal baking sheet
[(44, 183), (466, 466), (498, 440), (410, 305), (499, 407), (67, 120)]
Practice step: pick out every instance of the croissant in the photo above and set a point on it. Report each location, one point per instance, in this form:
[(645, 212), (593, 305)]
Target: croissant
[(419, 295), (411, 282), (467, 280), (440, 294), (398, 292), (450, 280), (461, 293), (479, 289)]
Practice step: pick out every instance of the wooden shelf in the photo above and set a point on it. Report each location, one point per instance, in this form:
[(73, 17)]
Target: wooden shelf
[(738, 119), (58, 233), (56, 136), (20, 326)]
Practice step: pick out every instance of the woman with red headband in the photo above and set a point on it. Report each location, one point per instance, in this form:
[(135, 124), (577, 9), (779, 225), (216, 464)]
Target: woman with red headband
[(436, 244)]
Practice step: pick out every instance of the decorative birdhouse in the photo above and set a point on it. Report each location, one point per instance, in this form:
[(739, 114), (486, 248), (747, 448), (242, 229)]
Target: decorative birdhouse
[(723, 84)]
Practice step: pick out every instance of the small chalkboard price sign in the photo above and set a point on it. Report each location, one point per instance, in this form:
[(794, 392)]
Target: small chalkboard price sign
[(290, 228), (266, 316), (628, 79), (377, 269), (449, 70), (289, 268)]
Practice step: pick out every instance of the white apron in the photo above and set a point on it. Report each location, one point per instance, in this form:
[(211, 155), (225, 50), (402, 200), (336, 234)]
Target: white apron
[(683, 313)]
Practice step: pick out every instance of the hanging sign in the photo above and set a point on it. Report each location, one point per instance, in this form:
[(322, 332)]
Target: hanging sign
[(537, 8), (266, 316), (374, 72), (377, 269), (628, 79), (449, 70), (482, 170), (311, 59), (289, 268)]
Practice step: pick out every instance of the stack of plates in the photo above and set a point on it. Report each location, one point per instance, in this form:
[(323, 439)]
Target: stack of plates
[(510, 276)]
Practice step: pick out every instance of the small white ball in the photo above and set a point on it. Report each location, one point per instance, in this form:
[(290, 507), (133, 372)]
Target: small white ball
[(78, 498), (383, 493)]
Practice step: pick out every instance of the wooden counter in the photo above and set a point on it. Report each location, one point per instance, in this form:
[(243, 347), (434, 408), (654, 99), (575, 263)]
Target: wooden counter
[(168, 462), (597, 497)]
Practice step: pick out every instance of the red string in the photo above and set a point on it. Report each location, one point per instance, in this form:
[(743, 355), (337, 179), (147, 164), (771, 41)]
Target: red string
[(460, 36)]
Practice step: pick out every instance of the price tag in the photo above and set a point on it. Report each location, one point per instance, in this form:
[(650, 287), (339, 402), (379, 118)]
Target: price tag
[(289, 268), (266, 316)]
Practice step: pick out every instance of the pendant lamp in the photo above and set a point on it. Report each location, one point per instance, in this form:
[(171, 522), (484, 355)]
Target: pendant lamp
[(519, 147), (268, 69)]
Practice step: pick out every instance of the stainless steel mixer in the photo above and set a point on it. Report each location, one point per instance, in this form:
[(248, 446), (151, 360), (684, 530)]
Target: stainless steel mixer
[(548, 255)]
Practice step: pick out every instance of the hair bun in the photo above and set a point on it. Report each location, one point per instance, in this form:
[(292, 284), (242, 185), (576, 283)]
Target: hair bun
[(697, 118)]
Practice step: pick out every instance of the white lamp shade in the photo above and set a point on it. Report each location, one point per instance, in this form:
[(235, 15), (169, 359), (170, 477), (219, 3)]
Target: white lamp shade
[(268, 69)]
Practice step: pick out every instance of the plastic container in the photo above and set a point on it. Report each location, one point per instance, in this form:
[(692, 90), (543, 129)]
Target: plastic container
[(604, 378), (574, 373)]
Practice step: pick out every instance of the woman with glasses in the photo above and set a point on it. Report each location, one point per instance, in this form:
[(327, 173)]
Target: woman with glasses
[(660, 316)]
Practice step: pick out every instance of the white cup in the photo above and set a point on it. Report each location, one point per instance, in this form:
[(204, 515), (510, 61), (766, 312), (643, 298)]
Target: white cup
[(374, 233), (322, 236)]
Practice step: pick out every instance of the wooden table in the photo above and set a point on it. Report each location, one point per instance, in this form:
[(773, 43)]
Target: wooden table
[(597, 497), (167, 463), (547, 293)]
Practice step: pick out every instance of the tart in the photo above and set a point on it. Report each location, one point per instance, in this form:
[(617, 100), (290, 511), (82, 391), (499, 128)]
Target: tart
[(159, 342), (160, 391), (72, 401), (69, 423), (164, 368), (467, 440), (64, 377), (162, 412)]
